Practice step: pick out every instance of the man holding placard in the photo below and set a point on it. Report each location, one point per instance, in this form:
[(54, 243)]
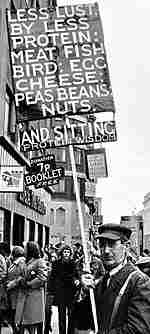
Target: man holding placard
[(123, 294)]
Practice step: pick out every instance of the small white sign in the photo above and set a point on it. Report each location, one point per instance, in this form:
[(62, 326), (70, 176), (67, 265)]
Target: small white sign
[(11, 178), (90, 189), (97, 166)]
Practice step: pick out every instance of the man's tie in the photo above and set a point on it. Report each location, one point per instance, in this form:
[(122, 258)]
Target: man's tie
[(105, 281)]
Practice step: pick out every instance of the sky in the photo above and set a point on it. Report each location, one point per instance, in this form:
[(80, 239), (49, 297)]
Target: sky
[(126, 26)]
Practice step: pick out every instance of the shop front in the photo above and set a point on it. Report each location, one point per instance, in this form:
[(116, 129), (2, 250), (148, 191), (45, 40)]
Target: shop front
[(23, 215)]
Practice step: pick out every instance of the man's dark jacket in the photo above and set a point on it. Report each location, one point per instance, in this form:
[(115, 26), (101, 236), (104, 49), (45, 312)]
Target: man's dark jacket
[(133, 316), (62, 282)]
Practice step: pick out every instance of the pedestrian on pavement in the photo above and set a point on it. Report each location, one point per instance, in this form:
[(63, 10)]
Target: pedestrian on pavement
[(123, 295), (4, 303), (63, 287), (33, 310), (49, 296), (143, 264), (16, 272)]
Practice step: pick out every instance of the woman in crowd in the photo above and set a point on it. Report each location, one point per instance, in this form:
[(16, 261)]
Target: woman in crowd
[(33, 310), (16, 273)]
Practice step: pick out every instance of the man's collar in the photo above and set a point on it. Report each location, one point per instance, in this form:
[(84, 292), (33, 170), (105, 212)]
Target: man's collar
[(116, 269)]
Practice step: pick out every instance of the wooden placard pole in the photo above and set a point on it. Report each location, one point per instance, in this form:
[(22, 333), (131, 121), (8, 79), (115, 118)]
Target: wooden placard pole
[(81, 221)]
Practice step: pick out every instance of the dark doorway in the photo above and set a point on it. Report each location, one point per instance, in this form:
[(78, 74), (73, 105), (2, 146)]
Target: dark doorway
[(40, 235), (31, 230), (18, 229), (7, 226), (46, 235)]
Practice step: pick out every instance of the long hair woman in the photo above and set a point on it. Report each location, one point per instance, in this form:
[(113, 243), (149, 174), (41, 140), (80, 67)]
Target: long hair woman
[(36, 276)]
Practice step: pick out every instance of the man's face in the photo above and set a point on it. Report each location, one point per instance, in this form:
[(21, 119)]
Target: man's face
[(112, 252), (66, 254), (53, 257)]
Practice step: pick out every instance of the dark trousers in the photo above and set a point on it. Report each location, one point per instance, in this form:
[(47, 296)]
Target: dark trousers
[(31, 328), (62, 319)]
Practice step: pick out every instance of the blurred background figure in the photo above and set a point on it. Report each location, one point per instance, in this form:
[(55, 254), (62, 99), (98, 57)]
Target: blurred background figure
[(16, 273), (146, 252), (97, 268), (78, 257), (144, 264)]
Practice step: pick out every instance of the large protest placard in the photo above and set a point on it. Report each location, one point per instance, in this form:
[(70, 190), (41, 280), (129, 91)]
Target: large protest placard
[(58, 61), (59, 136)]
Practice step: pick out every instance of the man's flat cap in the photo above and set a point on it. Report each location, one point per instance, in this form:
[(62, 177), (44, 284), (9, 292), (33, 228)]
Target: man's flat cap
[(114, 232)]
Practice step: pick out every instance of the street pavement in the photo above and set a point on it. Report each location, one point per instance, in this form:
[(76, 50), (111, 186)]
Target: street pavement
[(54, 320), (55, 329)]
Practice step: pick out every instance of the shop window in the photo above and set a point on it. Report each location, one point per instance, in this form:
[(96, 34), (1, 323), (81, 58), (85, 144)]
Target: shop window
[(77, 156), (13, 7), (7, 226), (18, 229), (1, 224), (40, 235), (8, 108), (31, 230), (51, 216), (60, 217), (32, 3), (60, 187), (9, 115), (79, 186), (46, 235), (60, 154), (34, 154), (5, 222)]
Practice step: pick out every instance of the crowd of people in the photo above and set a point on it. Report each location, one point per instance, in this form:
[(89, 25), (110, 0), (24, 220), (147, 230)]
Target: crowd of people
[(33, 280)]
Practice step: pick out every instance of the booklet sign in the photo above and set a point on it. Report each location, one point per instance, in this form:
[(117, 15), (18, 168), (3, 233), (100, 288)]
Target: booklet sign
[(58, 61)]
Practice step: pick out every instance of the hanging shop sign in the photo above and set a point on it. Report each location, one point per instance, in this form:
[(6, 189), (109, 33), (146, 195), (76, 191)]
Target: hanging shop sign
[(40, 168), (96, 163), (97, 217), (76, 134), (11, 178), (29, 199), (44, 162), (90, 189), (58, 61), (44, 177)]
